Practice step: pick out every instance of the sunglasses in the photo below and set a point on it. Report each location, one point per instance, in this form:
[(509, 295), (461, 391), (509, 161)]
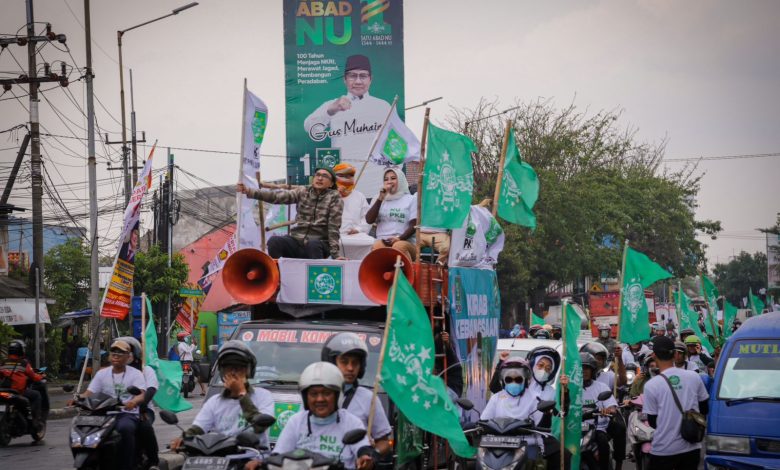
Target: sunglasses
[(510, 380)]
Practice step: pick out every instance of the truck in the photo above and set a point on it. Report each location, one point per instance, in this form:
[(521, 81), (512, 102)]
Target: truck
[(605, 306)]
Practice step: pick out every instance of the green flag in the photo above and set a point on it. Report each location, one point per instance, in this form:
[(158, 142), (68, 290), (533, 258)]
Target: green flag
[(689, 318), (519, 188), (755, 303), (448, 179), (406, 372), (572, 368), (536, 320), (729, 315), (168, 396), (639, 272), (710, 293)]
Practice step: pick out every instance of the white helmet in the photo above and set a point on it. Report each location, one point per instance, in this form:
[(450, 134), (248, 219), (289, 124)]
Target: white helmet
[(323, 374)]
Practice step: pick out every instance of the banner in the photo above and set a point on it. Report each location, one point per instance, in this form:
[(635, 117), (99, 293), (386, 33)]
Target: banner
[(333, 115), (254, 123), (116, 300), (169, 374), (475, 315)]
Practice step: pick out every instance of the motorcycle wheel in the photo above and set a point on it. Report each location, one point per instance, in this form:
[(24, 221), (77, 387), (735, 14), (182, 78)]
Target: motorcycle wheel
[(645, 461), (185, 389), (38, 436), (5, 431)]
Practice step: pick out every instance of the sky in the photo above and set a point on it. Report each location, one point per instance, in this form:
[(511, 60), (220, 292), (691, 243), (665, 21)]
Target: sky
[(700, 74)]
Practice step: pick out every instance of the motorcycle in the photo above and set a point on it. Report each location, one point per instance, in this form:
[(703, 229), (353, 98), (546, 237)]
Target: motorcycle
[(589, 449), (305, 459), (187, 378), (93, 441), (217, 451), (16, 418), (640, 434)]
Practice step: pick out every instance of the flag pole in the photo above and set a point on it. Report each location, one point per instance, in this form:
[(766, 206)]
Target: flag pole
[(143, 330), (710, 311), (620, 312), (420, 191), (376, 139), (563, 370), (388, 323), (241, 169), (262, 215), (502, 160)]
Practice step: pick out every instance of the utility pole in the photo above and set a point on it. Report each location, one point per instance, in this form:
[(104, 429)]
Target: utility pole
[(169, 229), (134, 141), (94, 275)]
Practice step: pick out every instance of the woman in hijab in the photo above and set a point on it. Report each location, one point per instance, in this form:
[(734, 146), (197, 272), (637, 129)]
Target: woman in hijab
[(355, 241), (395, 213)]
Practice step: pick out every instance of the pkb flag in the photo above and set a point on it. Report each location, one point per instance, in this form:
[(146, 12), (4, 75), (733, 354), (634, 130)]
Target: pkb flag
[(396, 144), (640, 272), (519, 188), (255, 120)]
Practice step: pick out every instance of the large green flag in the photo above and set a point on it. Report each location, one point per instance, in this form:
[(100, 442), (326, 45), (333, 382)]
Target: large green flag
[(536, 320), (710, 293), (639, 273), (406, 372), (729, 315), (756, 305), (572, 368), (448, 179), (519, 188), (689, 318), (168, 396)]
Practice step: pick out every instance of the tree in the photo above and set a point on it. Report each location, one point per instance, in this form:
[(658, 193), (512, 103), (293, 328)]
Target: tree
[(599, 187), (735, 278), (156, 279), (67, 276)]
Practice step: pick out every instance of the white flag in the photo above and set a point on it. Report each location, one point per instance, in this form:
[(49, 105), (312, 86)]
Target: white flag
[(255, 121), (396, 144), (479, 242)]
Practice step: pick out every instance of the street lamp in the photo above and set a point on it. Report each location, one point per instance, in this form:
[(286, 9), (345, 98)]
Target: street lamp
[(119, 34), (424, 103), (466, 124)]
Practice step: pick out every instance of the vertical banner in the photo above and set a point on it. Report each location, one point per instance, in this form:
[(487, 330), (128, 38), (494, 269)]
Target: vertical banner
[(772, 261), (254, 123), (475, 313), (344, 63), (116, 300)]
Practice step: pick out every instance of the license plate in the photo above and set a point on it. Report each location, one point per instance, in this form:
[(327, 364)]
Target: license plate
[(2, 408), (206, 463), (90, 420), (509, 442)]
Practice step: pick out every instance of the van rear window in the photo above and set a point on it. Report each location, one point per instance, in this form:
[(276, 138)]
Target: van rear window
[(752, 370)]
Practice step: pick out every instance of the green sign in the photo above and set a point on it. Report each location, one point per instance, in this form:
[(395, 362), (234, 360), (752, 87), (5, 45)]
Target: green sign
[(326, 108), (187, 292), (283, 412), (324, 284), (326, 158)]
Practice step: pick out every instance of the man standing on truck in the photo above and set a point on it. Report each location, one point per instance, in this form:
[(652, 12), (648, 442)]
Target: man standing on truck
[(315, 234), (349, 353)]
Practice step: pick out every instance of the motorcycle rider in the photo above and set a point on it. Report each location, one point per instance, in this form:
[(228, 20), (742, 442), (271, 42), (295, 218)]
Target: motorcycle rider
[(648, 371), (591, 388), (542, 333), (17, 372), (736, 324), (146, 435), (605, 339), (115, 381), (680, 357), (695, 354), (348, 352), (230, 411), (635, 353), (557, 331), (323, 420)]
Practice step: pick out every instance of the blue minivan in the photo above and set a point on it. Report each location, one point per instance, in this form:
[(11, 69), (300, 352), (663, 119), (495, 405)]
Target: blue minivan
[(743, 426)]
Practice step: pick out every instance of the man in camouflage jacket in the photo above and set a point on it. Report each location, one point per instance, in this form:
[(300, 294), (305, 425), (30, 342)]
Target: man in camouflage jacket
[(315, 234)]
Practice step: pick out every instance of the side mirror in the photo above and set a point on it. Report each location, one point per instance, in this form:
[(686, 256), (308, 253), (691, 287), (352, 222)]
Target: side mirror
[(169, 417), (264, 421), (247, 439), (68, 388), (604, 395), (133, 390), (465, 403), (545, 405), (353, 437)]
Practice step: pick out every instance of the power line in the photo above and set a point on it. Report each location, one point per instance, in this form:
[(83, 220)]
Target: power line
[(723, 157)]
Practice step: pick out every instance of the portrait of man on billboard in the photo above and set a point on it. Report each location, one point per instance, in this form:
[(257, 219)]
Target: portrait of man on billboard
[(351, 121)]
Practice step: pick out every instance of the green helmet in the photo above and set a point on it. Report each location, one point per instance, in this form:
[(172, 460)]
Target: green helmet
[(692, 339)]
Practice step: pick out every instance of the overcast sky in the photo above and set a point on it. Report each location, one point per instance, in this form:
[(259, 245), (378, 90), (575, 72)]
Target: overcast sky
[(702, 74)]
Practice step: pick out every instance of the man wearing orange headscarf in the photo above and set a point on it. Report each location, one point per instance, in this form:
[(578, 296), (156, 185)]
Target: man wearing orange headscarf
[(355, 240)]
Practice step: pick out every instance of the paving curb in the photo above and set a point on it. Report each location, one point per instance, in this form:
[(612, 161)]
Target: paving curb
[(63, 413)]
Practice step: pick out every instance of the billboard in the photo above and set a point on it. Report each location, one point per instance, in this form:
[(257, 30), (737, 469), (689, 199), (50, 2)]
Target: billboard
[(334, 114)]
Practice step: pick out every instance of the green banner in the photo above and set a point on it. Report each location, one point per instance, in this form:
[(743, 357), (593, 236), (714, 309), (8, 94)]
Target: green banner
[(572, 368), (333, 114)]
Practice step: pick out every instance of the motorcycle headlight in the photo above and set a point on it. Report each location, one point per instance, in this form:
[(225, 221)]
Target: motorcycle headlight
[(93, 439), (630, 374), (730, 444), (75, 438)]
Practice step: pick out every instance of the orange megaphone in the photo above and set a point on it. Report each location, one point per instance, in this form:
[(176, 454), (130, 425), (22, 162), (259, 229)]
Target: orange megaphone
[(375, 275), (250, 276)]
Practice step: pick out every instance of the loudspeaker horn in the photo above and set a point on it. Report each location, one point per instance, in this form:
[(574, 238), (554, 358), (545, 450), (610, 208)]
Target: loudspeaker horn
[(250, 276), (376, 273)]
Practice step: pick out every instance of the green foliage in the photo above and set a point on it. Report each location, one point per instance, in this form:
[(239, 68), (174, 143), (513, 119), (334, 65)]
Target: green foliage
[(598, 187), (67, 276), (7, 333), (156, 279), (735, 278)]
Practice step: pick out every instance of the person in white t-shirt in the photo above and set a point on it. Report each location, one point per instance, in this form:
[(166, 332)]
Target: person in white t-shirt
[(232, 410), (634, 353), (395, 213), (591, 389), (115, 381), (354, 240), (349, 353), (680, 357), (186, 347), (670, 451), (321, 425)]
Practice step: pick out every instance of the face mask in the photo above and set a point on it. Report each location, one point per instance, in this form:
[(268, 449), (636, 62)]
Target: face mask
[(604, 334), (188, 340), (541, 375), (330, 419), (514, 389)]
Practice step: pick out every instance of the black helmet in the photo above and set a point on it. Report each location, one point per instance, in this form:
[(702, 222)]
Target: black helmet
[(533, 329), (595, 349), (556, 326), (135, 345), (16, 347), (687, 331), (345, 343), (542, 334), (235, 352), (515, 363), (545, 351), (588, 360)]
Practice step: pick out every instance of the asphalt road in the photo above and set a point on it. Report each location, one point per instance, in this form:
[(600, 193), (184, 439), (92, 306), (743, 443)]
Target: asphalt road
[(53, 453)]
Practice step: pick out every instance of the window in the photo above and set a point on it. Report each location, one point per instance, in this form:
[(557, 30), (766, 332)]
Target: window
[(752, 370)]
